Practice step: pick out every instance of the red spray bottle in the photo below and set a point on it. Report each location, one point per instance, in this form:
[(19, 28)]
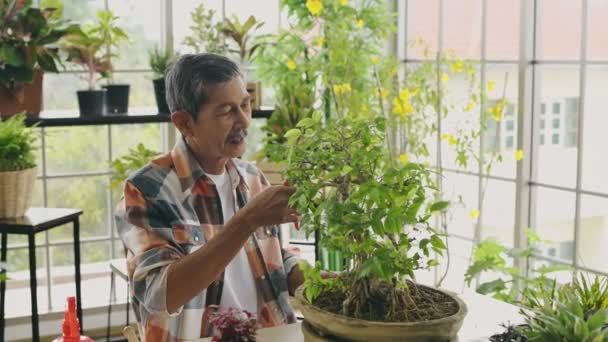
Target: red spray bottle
[(71, 325)]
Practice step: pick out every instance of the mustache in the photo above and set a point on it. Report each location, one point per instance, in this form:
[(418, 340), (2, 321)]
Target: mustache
[(242, 133)]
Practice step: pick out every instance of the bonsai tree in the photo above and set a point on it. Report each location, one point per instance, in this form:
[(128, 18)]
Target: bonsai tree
[(29, 36), (374, 210), (206, 34)]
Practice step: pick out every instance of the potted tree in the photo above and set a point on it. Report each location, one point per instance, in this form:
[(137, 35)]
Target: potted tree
[(110, 35), (84, 48), (17, 166), (375, 210), (29, 37), (159, 62)]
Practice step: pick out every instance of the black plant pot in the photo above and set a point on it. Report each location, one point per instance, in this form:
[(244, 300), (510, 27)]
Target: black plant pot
[(91, 102), (117, 100), (161, 99)]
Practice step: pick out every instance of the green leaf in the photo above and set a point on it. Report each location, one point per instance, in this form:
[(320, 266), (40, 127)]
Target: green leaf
[(292, 135), (491, 286), (440, 206), (12, 55), (437, 243)]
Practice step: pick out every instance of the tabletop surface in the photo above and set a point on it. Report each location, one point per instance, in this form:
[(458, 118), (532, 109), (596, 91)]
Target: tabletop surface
[(35, 217), (482, 321)]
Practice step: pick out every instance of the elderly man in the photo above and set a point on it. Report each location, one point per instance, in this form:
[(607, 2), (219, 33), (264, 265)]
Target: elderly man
[(200, 225)]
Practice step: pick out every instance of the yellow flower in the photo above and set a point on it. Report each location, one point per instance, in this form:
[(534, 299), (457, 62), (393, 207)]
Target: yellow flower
[(314, 6), (360, 23), (342, 88), (291, 64), (397, 107), (519, 154), (445, 77), (456, 66), (469, 107), (474, 214), (320, 41), (404, 158), (407, 107), (338, 89), (375, 60), (404, 95), (452, 140), (343, 2), (491, 85), (346, 87), (497, 111), (444, 136)]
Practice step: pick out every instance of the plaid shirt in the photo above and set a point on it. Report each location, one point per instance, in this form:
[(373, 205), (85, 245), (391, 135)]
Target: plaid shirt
[(171, 208)]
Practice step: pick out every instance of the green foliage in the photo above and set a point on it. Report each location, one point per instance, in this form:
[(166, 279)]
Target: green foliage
[(366, 206), (564, 313), (92, 47), (17, 144), (29, 36), (489, 256), (205, 34), (242, 34), (134, 160), (159, 61)]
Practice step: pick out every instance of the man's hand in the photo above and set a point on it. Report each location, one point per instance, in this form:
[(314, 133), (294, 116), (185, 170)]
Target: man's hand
[(270, 207)]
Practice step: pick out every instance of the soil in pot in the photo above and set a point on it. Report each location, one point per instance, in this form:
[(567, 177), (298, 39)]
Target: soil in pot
[(415, 304)]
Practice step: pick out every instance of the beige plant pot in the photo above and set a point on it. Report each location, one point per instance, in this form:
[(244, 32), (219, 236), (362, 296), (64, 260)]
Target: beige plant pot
[(16, 188), (321, 325)]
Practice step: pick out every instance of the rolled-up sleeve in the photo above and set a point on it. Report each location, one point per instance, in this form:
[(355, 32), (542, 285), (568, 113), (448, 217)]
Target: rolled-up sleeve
[(150, 252), (290, 260)]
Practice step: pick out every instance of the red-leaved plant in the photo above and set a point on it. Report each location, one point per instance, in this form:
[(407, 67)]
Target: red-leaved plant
[(233, 325)]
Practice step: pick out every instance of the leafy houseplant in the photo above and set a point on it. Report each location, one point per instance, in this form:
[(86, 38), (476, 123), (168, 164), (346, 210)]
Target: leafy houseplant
[(134, 160), (17, 166), (233, 325), (206, 35), (28, 36), (111, 35), (159, 62)]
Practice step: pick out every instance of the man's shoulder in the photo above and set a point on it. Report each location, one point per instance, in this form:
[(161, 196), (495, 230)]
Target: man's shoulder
[(247, 168), (155, 176)]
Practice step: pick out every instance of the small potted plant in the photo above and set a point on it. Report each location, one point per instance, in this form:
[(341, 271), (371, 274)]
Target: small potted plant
[(110, 35), (84, 48), (29, 36), (233, 325), (17, 166), (159, 62)]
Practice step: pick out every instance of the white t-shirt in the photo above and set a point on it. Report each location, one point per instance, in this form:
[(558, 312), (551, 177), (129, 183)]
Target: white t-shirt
[(239, 287)]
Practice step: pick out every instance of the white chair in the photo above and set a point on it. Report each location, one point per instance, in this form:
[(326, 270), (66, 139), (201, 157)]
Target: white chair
[(118, 267)]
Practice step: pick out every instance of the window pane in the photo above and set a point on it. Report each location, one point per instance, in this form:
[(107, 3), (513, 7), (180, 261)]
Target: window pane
[(556, 161), (562, 277), (597, 29), (593, 233), (71, 149), (460, 253), (455, 186), (182, 20), (143, 31), (125, 137), (560, 29), (595, 167), (505, 78), (502, 29), (555, 222), (78, 10), (59, 92), (422, 23), (462, 28), (498, 213), (86, 193)]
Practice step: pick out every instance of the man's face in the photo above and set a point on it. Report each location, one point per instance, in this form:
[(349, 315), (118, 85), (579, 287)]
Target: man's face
[(222, 123)]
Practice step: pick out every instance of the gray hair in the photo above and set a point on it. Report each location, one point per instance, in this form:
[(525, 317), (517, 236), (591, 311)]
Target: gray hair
[(189, 76)]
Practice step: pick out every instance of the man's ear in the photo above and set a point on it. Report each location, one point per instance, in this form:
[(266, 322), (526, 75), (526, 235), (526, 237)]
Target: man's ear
[(183, 121)]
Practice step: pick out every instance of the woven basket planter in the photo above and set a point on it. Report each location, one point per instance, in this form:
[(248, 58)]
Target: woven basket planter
[(16, 192)]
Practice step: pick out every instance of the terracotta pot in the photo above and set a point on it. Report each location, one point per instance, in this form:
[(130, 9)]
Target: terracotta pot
[(26, 97), (16, 190), (322, 325)]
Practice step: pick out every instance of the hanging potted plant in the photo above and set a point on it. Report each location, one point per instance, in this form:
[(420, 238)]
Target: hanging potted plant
[(29, 36), (159, 62), (17, 166), (110, 35), (84, 48)]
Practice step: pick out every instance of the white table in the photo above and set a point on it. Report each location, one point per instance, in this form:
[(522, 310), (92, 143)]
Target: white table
[(482, 321)]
